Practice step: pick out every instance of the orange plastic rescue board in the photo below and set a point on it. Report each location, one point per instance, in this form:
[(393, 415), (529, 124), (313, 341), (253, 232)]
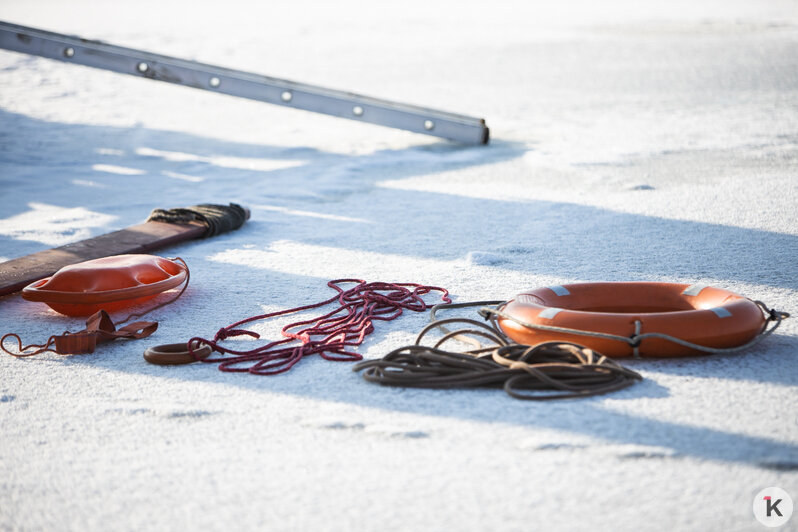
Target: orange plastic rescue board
[(698, 314), (108, 283)]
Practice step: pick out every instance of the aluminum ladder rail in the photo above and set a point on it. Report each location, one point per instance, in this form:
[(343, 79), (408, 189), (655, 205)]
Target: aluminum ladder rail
[(97, 54)]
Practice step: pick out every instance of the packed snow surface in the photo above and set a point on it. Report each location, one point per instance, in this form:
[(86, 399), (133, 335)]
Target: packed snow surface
[(651, 143)]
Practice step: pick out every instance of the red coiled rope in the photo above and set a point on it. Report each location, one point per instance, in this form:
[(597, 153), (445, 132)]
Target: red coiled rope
[(328, 335)]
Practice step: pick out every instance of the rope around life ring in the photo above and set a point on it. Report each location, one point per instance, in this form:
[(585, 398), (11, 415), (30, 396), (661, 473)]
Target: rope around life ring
[(639, 319)]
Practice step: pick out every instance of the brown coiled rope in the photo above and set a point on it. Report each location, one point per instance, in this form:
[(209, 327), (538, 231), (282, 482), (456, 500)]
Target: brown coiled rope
[(554, 370)]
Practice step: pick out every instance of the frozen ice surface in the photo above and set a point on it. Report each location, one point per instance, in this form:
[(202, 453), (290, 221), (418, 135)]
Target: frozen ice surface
[(629, 143)]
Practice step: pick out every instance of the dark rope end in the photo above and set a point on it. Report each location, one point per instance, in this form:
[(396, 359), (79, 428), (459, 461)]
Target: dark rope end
[(218, 218)]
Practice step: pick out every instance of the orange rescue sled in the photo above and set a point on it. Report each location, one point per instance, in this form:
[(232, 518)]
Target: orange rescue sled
[(108, 283)]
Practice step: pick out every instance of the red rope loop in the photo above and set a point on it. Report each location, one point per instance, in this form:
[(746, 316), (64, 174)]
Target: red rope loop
[(21, 350), (330, 335)]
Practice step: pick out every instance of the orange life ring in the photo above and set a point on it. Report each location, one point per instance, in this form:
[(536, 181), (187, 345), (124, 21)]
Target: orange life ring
[(108, 283), (698, 314)]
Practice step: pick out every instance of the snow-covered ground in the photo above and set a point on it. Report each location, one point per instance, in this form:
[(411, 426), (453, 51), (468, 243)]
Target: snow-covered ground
[(628, 144)]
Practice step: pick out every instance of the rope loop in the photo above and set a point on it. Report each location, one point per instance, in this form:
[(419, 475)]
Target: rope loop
[(772, 314), (21, 350)]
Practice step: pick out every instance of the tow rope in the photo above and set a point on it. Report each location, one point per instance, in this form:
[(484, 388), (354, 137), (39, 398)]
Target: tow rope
[(552, 370), (99, 328), (330, 335)]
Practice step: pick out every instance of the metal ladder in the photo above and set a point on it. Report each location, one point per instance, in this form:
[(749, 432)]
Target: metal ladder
[(97, 54)]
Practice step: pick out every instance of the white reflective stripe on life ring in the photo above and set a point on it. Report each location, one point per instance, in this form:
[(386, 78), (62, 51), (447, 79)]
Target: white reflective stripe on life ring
[(549, 312), (559, 290), (721, 312), (693, 290)]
